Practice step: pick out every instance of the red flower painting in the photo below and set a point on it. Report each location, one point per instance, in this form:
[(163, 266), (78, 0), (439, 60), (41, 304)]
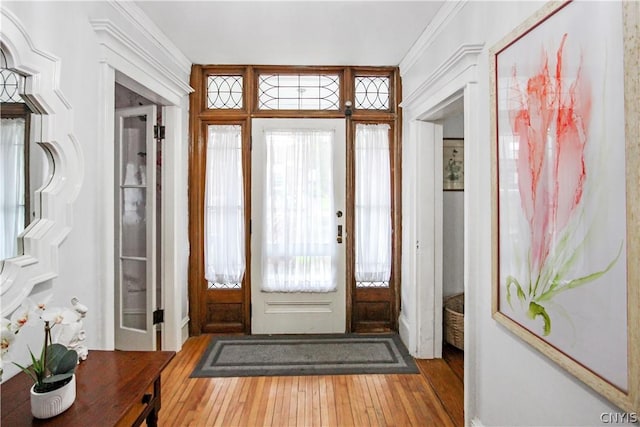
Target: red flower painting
[(549, 116)]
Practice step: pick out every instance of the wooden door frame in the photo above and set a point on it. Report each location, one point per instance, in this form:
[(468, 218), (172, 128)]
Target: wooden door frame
[(200, 116)]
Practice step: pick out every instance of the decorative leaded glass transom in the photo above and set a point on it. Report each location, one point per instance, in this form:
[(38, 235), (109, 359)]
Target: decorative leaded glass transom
[(224, 92), (10, 81), (372, 93), (299, 92)]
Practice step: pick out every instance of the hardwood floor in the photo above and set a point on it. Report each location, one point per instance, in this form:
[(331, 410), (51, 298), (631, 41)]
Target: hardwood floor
[(433, 398)]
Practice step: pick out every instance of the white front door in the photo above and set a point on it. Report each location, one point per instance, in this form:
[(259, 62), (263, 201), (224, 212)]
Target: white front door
[(297, 227), (135, 296)]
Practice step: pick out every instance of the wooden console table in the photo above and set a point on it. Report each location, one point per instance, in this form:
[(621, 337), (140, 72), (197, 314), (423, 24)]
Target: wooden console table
[(113, 388)]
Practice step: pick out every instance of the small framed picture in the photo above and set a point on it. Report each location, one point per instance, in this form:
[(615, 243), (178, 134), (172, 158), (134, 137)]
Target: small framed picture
[(453, 164)]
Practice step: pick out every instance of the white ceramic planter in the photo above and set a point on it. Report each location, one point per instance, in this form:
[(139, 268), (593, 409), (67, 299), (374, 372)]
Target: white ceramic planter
[(52, 403)]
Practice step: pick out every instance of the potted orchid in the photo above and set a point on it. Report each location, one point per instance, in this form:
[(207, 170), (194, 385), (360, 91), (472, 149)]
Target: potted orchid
[(53, 370)]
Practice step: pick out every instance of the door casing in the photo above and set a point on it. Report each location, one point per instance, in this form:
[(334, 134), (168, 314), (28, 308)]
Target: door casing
[(230, 311)]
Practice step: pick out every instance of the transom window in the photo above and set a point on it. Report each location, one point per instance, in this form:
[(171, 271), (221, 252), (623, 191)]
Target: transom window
[(372, 92), (224, 92), (299, 92), (11, 83)]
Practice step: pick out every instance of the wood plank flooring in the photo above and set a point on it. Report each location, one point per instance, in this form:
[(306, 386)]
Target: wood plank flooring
[(432, 398)]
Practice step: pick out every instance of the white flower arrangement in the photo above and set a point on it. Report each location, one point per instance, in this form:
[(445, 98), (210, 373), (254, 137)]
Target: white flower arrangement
[(65, 325)]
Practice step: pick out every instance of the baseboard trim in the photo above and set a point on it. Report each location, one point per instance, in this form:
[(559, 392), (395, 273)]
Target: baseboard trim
[(185, 329)]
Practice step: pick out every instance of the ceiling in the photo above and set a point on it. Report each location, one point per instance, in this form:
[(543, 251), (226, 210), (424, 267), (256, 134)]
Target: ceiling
[(292, 32)]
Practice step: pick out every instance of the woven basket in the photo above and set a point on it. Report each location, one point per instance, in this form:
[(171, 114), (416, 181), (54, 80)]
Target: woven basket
[(454, 320)]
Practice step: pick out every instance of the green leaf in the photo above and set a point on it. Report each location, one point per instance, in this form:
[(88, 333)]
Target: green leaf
[(60, 359), (57, 378), (513, 281), (578, 282), (55, 353), (27, 371), (536, 310), (67, 364)]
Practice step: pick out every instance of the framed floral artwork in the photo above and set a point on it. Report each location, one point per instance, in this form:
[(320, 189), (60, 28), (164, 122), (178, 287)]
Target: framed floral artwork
[(565, 190), (453, 164)]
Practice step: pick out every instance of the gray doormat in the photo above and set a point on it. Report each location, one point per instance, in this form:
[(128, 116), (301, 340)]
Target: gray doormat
[(279, 355)]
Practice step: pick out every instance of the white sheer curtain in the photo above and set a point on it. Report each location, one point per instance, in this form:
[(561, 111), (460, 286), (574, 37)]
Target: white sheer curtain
[(298, 252), (373, 204), (12, 189), (224, 206)]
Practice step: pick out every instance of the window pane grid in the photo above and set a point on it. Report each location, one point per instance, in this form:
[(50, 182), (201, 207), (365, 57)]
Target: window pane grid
[(299, 92), (224, 92), (372, 93)]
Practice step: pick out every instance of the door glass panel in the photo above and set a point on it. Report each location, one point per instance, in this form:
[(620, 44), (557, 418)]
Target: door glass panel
[(134, 222), (134, 282), (299, 250), (134, 152)]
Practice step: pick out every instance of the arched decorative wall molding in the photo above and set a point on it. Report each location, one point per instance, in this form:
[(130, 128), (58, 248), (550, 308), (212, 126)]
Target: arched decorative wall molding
[(125, 60), (54, 201)]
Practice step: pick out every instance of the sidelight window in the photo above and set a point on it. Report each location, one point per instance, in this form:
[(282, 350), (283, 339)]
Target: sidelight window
[(373, 206), (224, 250)]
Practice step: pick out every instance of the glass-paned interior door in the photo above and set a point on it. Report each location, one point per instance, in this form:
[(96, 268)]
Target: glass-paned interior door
[(135, 297), (298, 238)]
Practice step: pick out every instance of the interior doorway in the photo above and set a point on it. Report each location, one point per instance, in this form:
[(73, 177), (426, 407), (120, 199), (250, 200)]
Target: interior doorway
[(138, 238), (453, 232), (453, 225)]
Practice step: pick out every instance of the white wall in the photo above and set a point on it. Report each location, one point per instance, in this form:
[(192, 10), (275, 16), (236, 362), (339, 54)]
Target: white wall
[(508, 383), (64, 30)]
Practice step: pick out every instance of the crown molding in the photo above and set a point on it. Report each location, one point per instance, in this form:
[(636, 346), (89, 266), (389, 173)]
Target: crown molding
[(127, 49), (146, 26), (444, 15), (464, 58)]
